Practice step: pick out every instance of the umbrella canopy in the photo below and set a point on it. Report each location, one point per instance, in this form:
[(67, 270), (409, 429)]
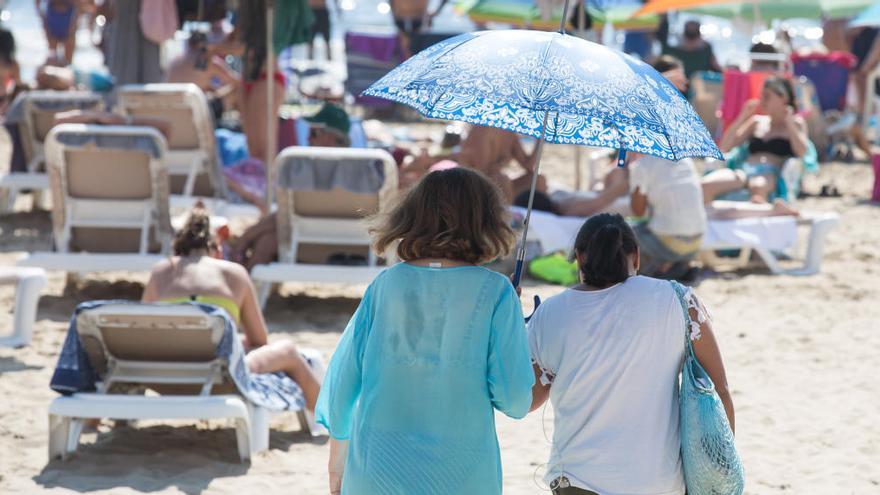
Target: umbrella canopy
[(869, 17), (526, 13), (752, 10), (556, 87), (589, 94)]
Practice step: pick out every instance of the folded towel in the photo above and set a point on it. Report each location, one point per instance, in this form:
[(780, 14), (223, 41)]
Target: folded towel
[(359, 175), (109, 141)]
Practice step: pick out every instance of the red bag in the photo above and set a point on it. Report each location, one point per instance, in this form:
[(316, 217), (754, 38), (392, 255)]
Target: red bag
[(158, 20)]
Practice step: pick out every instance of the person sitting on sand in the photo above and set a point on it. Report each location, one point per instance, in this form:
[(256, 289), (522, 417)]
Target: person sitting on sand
[(607, 353), (195, 273), (435, 346), (772, 140)]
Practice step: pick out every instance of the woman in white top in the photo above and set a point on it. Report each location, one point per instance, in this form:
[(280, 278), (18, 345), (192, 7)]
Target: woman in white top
[(607, 352)]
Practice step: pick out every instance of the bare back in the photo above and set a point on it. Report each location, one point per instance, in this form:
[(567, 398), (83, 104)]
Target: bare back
[(488, 150), (183, 277)]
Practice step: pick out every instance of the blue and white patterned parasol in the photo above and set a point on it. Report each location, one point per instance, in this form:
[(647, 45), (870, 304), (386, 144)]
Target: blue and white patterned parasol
[(594, 95), (555, 87)]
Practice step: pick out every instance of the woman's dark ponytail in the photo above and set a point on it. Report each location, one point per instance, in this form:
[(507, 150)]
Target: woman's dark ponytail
[(605, 242), (196, 234)]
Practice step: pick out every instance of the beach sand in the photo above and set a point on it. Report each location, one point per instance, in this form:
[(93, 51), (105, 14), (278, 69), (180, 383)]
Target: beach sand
[(801, 356)]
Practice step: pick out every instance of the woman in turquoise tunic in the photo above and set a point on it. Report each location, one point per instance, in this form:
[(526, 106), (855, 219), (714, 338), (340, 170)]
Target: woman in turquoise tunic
[(436, 345)]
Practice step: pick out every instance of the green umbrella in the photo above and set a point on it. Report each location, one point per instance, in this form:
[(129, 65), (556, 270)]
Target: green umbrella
[(785, 9), (525, 13)]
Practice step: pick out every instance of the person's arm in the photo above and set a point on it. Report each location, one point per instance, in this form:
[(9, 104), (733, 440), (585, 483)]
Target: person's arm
[(709, 356), (871, 59), (542, 375), (336, 465), (526, 161), (741, 129), (219, 68), (341, 389), (797, 130), (638, 202), (713, 62), (251, 315), (151, 291), (509, 365), (540, 391)]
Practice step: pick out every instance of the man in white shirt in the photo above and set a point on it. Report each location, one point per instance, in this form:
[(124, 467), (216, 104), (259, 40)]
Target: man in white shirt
[(669, 195)]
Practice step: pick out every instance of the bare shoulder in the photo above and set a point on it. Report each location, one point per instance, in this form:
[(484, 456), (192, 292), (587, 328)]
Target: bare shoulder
[(231, 270), (163, 267)]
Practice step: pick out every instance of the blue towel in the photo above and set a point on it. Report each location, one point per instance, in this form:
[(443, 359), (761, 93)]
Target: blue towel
[(274, 391), (231, 146)]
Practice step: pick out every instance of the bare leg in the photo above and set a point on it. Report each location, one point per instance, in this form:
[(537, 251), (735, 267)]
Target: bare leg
[(283, 356), (760, 188), (730, 210), (254, 117), (720, 182), (70, 45)]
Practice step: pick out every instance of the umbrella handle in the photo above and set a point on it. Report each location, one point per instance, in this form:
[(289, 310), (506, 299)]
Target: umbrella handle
[(517, 272)]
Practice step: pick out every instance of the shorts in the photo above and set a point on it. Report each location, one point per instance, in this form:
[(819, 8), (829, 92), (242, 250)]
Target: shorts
[(655, 252), (322, 24), (408, 25)]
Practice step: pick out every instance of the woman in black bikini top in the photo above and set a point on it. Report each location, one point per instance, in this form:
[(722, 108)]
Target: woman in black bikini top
[(772, 138)]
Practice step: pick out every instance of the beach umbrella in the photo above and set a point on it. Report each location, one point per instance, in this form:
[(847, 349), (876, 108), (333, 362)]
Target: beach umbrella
[(527, 13), (868, 17), (756, 10), (552, 86)]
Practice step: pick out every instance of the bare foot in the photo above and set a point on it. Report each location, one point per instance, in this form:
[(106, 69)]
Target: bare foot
[(781, 208)]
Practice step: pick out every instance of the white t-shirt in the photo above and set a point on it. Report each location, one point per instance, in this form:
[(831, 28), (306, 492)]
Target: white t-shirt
[(614, 356), (675, 196)]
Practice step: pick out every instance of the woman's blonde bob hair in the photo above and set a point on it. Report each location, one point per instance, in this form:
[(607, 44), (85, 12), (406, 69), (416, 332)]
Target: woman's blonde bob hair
[(452, 214)]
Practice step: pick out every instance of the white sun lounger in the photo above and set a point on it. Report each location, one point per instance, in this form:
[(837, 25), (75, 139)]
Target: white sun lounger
[(331, 219), (171, 349), (36, 117), (192, 160), (764, 236), (28, 283), (109, 199)]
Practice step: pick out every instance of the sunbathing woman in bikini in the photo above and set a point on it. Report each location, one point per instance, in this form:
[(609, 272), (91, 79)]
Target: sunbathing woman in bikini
[(195, 274), (772, 139)]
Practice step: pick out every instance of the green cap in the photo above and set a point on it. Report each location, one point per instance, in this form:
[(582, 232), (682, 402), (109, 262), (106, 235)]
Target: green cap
[(331, 117)]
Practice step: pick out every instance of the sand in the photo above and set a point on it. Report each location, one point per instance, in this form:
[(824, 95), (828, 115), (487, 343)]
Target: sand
[(801, 356)]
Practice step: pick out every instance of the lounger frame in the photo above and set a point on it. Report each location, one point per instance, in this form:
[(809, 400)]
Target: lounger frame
[(145, 215), (295, 229)]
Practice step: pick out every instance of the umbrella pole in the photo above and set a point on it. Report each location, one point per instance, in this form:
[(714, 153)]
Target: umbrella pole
[(521, 255), (270, 104)]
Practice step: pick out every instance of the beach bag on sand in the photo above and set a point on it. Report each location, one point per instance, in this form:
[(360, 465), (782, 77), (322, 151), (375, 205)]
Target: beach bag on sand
[(708, 454), (158, 20)]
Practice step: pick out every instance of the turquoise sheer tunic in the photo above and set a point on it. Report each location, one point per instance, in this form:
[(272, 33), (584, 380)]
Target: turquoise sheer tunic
[(427, 357)]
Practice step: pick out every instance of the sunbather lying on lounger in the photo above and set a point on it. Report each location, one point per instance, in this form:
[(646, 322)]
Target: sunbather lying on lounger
[(194, 274)]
